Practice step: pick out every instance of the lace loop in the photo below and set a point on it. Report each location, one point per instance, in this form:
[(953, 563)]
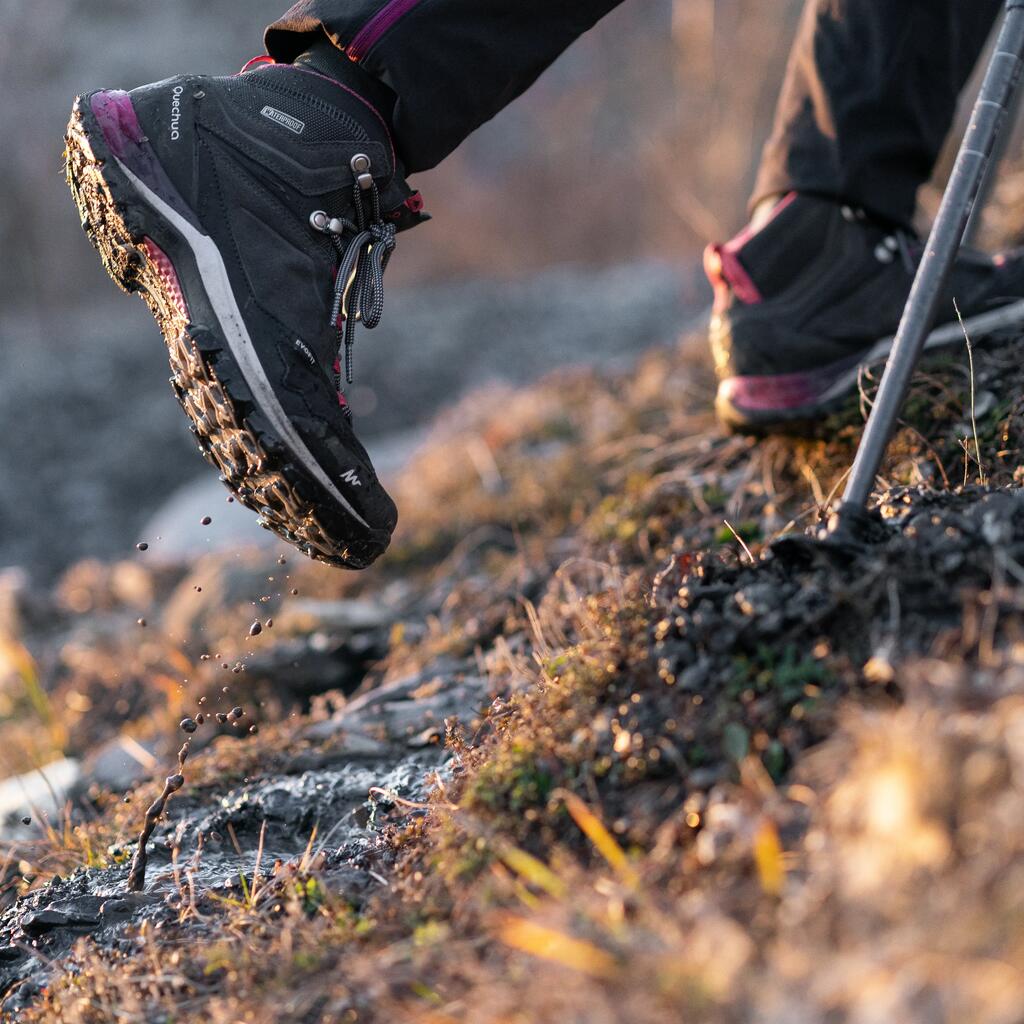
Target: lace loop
[(362, 259)]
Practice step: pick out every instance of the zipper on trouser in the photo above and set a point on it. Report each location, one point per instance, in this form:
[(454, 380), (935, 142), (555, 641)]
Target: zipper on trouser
[(370, 33)]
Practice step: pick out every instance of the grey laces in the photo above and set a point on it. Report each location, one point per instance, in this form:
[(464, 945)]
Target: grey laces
[(364, 249)]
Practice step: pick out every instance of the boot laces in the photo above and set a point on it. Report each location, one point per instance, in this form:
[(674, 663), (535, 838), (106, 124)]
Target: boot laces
[(364, 247)]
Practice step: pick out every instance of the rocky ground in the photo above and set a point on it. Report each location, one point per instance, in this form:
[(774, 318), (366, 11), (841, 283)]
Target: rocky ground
[(583, 747)]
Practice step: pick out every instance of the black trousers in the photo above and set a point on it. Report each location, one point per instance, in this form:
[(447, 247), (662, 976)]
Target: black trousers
[(868, 98)]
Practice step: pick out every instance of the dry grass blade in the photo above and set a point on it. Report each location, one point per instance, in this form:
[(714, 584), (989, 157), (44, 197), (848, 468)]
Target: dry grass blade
[(551, 944)]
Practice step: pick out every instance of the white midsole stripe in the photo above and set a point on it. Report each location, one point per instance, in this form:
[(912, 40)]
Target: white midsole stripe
[(222, 299)]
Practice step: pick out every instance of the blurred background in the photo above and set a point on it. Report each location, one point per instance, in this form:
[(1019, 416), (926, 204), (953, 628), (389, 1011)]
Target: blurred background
[(568, 229)]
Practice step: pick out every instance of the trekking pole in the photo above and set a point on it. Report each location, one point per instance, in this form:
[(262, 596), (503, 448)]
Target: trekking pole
[(987, 120)]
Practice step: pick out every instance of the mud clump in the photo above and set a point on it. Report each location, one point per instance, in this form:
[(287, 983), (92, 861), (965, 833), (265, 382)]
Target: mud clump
[(256, 628)]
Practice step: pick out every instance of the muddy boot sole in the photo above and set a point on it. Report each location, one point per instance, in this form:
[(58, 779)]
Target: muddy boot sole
[(144, 254)]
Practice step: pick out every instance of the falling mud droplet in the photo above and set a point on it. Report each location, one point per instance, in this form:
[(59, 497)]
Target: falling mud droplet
[(222, 717), (200, 719), (269, 623), (282, 560), (26, 820), (255, 629), (206, 520), (188, 725), (141, 622), (253, 729), (142, 546), (237, 712), (295, 592)]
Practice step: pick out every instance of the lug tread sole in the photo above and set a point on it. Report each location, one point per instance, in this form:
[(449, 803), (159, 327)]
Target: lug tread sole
[(226, 424)]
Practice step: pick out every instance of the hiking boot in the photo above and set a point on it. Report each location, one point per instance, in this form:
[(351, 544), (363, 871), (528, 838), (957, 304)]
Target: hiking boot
[(256, 214), (813, 294)]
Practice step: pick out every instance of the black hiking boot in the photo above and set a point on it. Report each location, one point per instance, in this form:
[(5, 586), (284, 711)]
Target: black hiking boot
[(806, 299), (256, 214)]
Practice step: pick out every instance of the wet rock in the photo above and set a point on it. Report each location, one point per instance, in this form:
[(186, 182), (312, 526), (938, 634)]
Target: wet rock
[(308, 616), (48, 788), (41, 921), (293, 804), (315, 664), (119, 764), (404, 708)]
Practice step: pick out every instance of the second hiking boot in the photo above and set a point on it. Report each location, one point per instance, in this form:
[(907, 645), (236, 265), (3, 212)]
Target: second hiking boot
[(815, 292), (256, 214)]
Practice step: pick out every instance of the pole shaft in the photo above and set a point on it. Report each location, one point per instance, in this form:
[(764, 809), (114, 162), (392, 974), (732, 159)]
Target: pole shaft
[(997, 92)]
